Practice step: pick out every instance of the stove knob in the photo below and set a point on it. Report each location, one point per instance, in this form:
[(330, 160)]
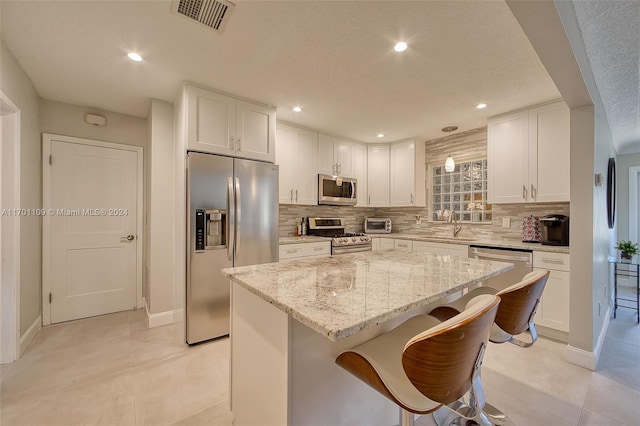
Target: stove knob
[(363, 238), (353, 239)]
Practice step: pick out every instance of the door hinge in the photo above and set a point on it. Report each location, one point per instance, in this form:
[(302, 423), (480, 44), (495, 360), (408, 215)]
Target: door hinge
[(50, 298), (50, 159)]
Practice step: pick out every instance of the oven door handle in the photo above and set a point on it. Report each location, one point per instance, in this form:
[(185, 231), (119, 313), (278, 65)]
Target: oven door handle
[(484, 255)]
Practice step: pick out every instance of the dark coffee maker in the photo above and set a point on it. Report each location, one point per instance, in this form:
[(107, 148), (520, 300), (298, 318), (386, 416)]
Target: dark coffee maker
[(555, 230)]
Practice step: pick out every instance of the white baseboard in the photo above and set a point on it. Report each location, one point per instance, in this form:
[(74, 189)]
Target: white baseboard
[(29, 335), (588, 359), (159, 319)]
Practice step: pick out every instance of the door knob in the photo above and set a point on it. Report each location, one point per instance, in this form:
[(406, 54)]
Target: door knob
[(129, 238)]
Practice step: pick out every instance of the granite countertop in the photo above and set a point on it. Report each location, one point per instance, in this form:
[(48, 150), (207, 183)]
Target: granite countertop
[(303, 239), (339, 296), (478, 242)]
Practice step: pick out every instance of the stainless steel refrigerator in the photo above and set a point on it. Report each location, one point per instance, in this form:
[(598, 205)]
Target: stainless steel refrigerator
[(232, 220)]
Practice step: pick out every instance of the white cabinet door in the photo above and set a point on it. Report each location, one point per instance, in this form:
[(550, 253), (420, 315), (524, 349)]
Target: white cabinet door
[(335, 156), (326, 160), (404, 245), (360, 173), (508, 158), (549, 161), (296, 158), (285, 159), (387, 243), (305, 176), (211, 121), (344, 155), (255, 131), (375, 244), (293, 251), (402, 171), (553, 311), (378, 175)]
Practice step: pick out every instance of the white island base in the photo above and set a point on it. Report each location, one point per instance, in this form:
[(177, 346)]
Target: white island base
[(283, 372)]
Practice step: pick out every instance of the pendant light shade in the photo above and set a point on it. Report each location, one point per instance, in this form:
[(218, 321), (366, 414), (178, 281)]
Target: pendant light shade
[(449, 164)]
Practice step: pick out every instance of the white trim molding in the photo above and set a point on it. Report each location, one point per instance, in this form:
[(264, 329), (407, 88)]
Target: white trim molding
[(588, 359), (30, 334), (159, 319)]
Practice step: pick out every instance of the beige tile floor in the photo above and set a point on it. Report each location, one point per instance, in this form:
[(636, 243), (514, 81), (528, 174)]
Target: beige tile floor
[(112, 370)]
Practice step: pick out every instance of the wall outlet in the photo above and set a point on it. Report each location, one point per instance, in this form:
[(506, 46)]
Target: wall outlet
[(506, 222)]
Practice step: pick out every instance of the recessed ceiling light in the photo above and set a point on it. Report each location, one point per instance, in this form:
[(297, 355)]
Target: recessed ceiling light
[(134, 57), (297, 109), (400, 46), (380, 135), (481, 106)]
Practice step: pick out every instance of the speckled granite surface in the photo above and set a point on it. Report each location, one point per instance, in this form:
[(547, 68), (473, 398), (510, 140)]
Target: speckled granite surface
[(477, 242), (341, 295)]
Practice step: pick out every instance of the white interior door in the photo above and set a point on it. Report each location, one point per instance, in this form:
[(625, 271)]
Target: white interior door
[(92, 213)]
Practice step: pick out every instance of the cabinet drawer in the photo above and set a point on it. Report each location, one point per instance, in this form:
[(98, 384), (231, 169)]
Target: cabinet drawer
[(386, 243), (553, 261), (441, 248), (290, 251), (317, 249), (406, 245)]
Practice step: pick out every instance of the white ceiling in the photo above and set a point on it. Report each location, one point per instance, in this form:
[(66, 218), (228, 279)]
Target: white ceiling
[(335, 59), (611, 34)]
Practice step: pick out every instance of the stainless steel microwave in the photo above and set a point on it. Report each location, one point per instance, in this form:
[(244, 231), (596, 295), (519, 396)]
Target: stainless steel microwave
[(377, 225), (337, 191)]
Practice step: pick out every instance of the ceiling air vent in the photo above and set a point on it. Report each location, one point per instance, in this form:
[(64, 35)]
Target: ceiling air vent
[(214, 14)]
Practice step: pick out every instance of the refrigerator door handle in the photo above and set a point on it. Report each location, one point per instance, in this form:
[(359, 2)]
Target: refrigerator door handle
[(231, 220), (238, 215)]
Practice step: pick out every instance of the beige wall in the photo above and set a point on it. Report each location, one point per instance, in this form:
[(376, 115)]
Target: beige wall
[(15, 84), (65, 119), (161, 208)]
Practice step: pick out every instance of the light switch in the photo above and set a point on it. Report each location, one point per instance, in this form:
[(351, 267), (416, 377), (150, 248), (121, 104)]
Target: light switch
[(506, 222)]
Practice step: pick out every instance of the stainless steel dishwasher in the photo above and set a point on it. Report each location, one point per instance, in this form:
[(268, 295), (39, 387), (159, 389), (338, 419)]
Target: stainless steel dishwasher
[(521, 258)]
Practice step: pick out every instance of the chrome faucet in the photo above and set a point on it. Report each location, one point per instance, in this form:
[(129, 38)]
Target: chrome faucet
[(457, 226)]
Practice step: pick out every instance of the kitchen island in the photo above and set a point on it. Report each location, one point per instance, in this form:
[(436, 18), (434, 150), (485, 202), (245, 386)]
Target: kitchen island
[(291, 319)]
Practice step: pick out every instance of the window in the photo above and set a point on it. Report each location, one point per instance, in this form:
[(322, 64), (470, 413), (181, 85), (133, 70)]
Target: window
[(463, 191)]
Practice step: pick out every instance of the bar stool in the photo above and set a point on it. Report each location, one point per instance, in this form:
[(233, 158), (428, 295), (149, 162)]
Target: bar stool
[(425, 365), (516, 312)]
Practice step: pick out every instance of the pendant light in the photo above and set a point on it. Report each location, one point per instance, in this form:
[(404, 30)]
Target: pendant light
[(449, 164)]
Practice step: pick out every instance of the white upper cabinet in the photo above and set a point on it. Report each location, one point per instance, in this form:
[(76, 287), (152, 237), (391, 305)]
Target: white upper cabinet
[(220, 124), (378, 175), (528, 155), (360, 173), (296, 158), (407, 170), (549, 170), (335, 156)]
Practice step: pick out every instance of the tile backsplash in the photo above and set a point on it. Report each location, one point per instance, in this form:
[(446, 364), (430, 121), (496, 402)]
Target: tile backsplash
[(464, 146)]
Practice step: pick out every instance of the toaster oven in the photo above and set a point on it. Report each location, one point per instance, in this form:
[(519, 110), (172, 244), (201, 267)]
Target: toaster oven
[(377, 225)]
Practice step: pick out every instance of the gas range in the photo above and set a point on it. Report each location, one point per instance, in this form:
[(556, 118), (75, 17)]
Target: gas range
[(341, 242)]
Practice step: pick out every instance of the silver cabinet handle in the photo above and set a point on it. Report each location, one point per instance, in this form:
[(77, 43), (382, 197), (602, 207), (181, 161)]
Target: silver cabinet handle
[(524, 192), (291, 195), (411, 198), (239, 147), (556, 261), (232, 144), (533, 192), (296, 196), (231, 222), (369, 202), (238, 216)]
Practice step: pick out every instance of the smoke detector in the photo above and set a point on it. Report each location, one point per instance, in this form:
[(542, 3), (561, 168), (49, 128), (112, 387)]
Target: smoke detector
[(213, 14)]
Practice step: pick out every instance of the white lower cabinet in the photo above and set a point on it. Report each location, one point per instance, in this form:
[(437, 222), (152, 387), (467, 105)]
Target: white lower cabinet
[(405, 245), (378, 243), (293, 251), (553, 311)]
